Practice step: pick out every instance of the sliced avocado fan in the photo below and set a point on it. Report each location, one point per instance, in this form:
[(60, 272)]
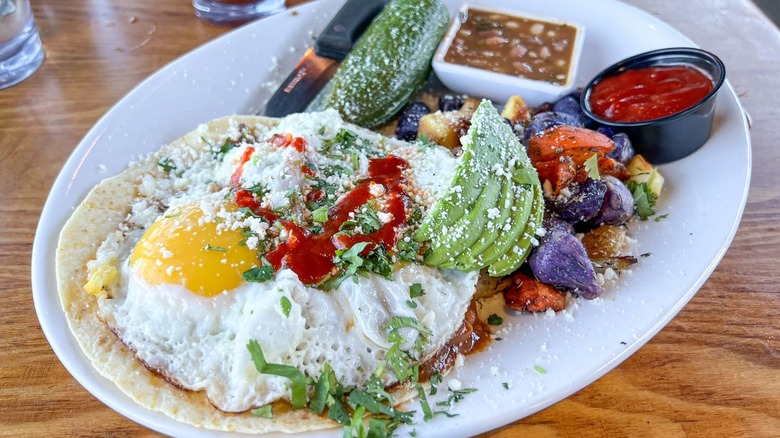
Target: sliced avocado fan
[(490, 213)]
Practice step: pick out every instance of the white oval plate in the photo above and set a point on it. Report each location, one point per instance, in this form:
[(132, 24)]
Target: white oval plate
[(704, 198)]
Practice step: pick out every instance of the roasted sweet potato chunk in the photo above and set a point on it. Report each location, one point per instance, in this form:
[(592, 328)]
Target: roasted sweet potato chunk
[(578, 143), (530, 295)]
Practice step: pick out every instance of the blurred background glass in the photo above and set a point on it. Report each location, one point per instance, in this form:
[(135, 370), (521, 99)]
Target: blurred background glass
[(235, 12), (21, 52)]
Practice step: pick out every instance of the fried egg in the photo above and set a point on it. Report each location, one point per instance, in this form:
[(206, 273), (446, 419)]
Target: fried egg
[(179, 296)]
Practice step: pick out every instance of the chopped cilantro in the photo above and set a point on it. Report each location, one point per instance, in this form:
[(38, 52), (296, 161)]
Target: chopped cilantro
[(258, 190), (423, 142), (226, 146), (286, 306), (321, 391), (394, 335), (411, 304), (362, 398), (344, 139), (297, 381), (337, 412), (592, 167), (258, 274), (399, 362), (416, 216), (246, 211), (644, 199), (456, 396), (355, 158), (336, 169), (328, 193), (320, 215), (350, 259), (315, 229), (355, 426), (263, 411), (416, 290), (379, 262), (494, 319), (445, 413), (399, 322), (368, 220), (434, 380), (505, 385), (426, 408), (166, 164), (215, 248), (346, 225), (407, 248)]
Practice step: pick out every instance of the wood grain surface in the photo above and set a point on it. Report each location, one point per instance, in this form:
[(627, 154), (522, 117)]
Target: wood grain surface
[(713, 371)]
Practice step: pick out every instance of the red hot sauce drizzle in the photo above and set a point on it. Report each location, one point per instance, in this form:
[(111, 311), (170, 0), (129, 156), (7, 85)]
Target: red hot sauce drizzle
[(310, 255), (235, 178), (649, 93)]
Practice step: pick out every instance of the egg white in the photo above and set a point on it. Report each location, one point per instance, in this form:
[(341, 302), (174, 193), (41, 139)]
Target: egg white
[(200, 342)]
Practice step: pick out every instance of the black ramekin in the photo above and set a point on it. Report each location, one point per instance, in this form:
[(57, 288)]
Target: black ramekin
[(677, 135)]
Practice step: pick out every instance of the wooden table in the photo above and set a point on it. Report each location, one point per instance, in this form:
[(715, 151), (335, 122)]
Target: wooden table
[(713, 371)]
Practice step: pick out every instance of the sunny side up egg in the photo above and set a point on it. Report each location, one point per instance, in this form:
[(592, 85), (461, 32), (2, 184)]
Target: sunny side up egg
[(180, 298), (183, 248)]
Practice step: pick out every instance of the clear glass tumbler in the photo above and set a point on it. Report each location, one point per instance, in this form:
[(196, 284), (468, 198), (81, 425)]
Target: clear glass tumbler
[(21, 52), (234, 12)]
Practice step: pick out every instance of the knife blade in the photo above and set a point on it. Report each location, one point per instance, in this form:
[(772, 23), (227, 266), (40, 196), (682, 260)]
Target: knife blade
[(320, 62)]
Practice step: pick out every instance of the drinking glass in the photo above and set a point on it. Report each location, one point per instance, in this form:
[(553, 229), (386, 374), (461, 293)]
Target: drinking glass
[(235, 12), (21, 52)]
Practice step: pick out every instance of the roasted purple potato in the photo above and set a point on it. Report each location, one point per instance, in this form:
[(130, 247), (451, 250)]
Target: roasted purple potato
[(561, 260), (552, 222), (550, 119), (618, 204), (606, 130), (409, 121), (624, 150), (449, 102), (583, 204), (571, 105)]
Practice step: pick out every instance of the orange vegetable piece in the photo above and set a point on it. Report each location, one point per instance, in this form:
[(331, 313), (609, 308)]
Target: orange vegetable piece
[(559, 172), (609, 166), (527, 294), (564, 140)]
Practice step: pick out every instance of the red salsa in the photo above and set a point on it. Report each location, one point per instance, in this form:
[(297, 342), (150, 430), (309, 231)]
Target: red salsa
[(649, 93), (309, 254)]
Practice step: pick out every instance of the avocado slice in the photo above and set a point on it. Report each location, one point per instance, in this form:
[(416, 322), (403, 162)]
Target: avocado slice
[(462, 192), (467, 230), (512, 259), (481, 154), (467, 260), (511, 230), (496, 175)]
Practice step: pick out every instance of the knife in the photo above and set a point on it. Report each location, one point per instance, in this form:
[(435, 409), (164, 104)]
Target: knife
[(320, 62)]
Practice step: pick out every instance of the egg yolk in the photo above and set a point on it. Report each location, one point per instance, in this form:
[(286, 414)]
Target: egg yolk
[(181, 248)]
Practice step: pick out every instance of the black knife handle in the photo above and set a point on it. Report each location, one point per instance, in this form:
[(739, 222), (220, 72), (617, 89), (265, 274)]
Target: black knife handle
[(346, 27)]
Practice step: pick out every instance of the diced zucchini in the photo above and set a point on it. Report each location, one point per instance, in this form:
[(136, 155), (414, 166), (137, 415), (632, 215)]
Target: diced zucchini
[(640, 171)]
